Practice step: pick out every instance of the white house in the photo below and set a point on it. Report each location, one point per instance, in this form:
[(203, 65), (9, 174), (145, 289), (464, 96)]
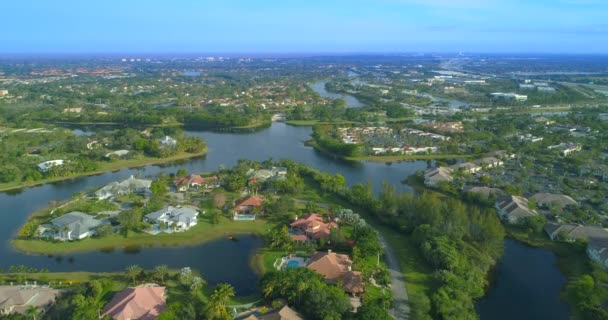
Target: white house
[(48, 165), (182, 217), (168, 142), (116, 189)]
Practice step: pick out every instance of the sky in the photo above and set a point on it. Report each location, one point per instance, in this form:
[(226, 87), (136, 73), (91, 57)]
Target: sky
[(303, 26)]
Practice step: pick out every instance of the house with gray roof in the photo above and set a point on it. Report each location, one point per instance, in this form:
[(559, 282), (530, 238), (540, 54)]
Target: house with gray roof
[(433, 177), (485, 192), (573, 231), (548, 200), (597, 250), (17, 299), (514, 208), (182, 217), (117, 189), (70, 226)]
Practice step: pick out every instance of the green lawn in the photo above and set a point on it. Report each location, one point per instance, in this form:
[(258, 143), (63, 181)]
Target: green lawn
[(202, 232), (264, 259), (105, 167)]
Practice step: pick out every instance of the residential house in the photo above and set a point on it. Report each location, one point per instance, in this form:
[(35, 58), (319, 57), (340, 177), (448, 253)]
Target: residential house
[(245, 208), (485, 192), (501, 154), (182, 218), (17, 299), (145, 302), (3, 93), (566, 149), (597, 250), (168, 142), (466, 167), (116, 189), (433, 177), (489, 162), (285, 313), (530, 138), (70, 226), (573, 232), (196, 181), (549, 200), (46, 166), (514, 208), (334, 268), (117, 154), (312, 227)]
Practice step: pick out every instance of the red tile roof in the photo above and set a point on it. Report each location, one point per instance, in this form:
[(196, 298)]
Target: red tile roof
[(314, 226), (330, 265), (143, 303), (252, 201)]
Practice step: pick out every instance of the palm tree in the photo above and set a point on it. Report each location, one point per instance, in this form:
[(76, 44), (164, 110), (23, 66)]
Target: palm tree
[(216, 309), (160, 272), (133, 271), (32, 312), (197, 284)]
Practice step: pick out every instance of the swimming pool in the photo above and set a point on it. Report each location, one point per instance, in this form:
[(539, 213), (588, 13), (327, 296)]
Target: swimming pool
[(292, 264)]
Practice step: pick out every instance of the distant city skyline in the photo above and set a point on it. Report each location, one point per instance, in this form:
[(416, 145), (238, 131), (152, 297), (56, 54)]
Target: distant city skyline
[(314, 26)]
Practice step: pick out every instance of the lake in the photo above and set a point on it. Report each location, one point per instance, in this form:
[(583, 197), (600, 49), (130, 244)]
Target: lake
[(527, 280), (527, 286), (278, 141)]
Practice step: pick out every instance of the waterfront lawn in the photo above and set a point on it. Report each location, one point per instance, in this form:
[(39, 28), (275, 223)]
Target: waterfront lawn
[(104, 167), (202, 232), (264, 259)]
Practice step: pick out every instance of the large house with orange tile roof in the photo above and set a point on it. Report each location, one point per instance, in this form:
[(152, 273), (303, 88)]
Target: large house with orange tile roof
[(285, 313), (144, 302), (312, 227), (334, 268), (245, 208), (195, 181)]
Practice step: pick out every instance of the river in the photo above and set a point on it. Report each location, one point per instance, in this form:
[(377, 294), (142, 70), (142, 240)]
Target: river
[(351, 101), (524, 275)]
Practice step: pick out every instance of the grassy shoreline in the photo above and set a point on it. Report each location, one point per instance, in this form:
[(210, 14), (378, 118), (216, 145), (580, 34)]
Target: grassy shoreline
[(105, 167), (311, 123), (390, 158)]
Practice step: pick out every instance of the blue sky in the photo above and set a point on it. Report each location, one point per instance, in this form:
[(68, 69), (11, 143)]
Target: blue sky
[(269, 26)]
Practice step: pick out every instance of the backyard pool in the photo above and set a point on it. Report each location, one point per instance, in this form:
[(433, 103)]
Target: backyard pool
[(293, 264)]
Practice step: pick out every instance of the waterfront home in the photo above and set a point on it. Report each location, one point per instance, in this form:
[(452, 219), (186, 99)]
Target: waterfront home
[(70, 226), (336, 268), (168, 142), (144, 302), (116, 189), (117, 154), (312, 228), (572, 231), (514, 208), (284, 313), (247, 208), (549, 200), (17, 299), (46, 166), (196, 181), (489, 162), (597, 250), (466, 167), (181, 218), (433, 177)]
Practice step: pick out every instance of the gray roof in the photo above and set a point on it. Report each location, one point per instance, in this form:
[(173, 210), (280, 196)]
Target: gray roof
[(77, 222), (600, 245), (515, 207), (183, 214), (575, 231), (485, 191), (547, 199)]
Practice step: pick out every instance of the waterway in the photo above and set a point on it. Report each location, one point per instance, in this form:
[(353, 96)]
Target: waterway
[(527, 281), (527, 286), (351, 101)]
